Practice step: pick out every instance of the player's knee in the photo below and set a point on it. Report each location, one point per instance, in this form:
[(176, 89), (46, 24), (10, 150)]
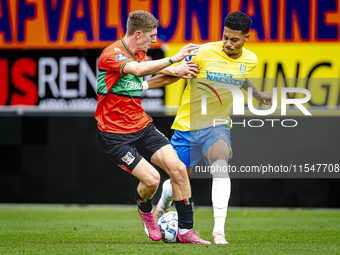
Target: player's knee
[(219, 151), (178, 172), (219, 156), (152, 182)]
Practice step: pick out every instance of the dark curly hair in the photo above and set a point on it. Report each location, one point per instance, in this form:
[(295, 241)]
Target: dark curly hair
[(238, 21)]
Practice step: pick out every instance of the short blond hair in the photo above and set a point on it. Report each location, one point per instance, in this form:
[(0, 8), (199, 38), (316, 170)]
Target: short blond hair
[(141, 20)]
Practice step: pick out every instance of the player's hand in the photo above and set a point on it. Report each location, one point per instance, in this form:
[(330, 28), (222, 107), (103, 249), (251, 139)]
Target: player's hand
[(184, 52), (265, 97), (187, 70)]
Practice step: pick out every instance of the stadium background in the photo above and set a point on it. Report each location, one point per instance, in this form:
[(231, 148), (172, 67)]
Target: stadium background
[(48, 52)]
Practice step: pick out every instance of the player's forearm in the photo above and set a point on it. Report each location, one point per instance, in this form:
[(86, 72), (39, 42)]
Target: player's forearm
[(146, 68), (170, 70), (265, 97), (160, 81), (247, 84)]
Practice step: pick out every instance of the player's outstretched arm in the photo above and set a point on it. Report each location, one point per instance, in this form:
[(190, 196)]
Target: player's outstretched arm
[(159, 80), (265, 97), (154, 66), (187, 70)]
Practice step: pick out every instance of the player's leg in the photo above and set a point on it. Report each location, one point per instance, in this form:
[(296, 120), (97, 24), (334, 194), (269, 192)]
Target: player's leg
[(166, 199), (181, 143), (149, 181), (167, 159), (217, 156), (120, 148), (155, 146)]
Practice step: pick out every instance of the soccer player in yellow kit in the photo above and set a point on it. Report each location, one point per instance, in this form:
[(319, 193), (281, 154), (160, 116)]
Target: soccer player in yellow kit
[(224, 62)]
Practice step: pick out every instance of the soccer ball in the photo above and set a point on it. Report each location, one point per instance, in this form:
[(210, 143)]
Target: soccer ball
[(168, 225)]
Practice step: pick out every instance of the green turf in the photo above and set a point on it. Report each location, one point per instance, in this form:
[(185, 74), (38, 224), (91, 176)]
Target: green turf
[(109, 230)]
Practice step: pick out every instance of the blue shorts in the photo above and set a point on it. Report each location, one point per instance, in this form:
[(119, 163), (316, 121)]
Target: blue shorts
[(191, 145)]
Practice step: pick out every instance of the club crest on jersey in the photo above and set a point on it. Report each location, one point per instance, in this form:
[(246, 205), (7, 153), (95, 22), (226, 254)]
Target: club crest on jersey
[(128, 158), (243, 68), (121, 57)]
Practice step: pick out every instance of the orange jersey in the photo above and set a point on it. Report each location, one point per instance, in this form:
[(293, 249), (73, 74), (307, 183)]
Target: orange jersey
[(119, 108)]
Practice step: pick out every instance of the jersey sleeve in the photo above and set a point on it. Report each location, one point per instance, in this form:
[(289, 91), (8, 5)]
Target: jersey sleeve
[(146, 58), (255, 60), (116, 62)]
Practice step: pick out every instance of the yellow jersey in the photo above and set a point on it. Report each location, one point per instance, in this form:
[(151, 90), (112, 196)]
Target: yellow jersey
[(215, 69)]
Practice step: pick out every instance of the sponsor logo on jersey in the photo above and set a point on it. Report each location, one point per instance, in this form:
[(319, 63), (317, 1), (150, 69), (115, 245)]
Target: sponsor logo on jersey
[(222, 62), (133, 84), (219, 66), (121, 57), (128, 158), (223, 78)]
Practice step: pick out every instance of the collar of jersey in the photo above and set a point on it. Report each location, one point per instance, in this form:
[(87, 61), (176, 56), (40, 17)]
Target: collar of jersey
[(127, 49), (137, 56)]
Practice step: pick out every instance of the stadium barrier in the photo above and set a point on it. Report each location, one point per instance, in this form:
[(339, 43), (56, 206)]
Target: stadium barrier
[(53, 157)]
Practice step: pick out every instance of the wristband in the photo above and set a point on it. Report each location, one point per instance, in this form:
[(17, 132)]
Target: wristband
[(170, 61), (145, 85)]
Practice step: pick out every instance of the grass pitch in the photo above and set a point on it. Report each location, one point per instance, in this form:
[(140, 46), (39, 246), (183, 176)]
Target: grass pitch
[(32, 229)]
